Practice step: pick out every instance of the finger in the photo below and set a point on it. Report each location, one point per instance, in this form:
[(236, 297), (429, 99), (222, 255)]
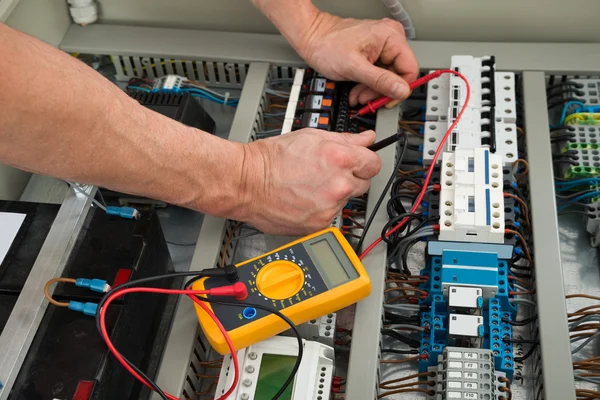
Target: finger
[(355, 93), (368, 95), (367, 163), (392, 104), (379, 79), (396, 51), (363, 139), (360, 187)]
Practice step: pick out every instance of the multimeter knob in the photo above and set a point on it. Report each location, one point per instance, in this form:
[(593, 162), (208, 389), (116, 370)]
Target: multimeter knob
[(280, 279)]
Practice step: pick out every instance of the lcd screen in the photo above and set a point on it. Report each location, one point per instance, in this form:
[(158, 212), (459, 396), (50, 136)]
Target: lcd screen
[(331, 268), (274, 370)]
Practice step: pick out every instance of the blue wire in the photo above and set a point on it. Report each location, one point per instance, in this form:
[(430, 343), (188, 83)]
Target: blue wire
[(578, 198), (563, 115), (565, 185), (197, 93), (139, 88)]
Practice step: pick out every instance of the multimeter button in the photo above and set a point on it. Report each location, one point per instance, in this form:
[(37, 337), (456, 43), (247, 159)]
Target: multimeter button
[(280, 280)]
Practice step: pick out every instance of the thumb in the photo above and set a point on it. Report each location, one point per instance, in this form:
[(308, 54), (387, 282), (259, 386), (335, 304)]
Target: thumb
[(382, 80), (363, 139)]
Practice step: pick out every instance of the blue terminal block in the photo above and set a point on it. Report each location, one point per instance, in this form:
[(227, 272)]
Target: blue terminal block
[(473, 269), (435, 337), (498, 328)]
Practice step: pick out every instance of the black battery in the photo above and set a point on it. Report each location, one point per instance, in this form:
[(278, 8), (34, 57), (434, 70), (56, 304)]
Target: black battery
[(67, 349)]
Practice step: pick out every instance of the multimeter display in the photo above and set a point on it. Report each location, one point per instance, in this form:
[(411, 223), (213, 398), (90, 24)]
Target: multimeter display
[(332, 271), (306, 279)]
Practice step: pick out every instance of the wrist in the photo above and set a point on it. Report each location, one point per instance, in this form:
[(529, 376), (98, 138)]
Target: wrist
[(251, 182)]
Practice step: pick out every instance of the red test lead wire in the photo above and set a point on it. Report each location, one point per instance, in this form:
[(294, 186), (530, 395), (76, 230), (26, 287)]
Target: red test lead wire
[(435, 156), (374, 105), (235, 290)]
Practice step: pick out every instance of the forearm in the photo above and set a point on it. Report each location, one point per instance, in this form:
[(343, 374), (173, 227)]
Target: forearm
[(295, 19), (61, 118)]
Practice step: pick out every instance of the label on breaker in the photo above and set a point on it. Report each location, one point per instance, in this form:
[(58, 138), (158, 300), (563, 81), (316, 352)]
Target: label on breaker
[(319, 85), (454, 395), (455, 364), (315, 102), (313, 121), (471, 356), (470, 365), (455, 354), (470, 385), (455, 374), (471, 375), (470, 395), (455, 385)]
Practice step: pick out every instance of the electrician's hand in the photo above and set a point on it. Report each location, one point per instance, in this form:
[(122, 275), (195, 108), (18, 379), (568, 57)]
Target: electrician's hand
[(347, 49), (298, 182)]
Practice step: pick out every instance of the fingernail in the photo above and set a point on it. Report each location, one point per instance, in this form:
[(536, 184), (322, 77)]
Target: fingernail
[(399, 90)]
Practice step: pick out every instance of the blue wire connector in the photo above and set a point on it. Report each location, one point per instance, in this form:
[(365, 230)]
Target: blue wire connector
[(123, 212), (518, 251), (97, 285), (89, 309)]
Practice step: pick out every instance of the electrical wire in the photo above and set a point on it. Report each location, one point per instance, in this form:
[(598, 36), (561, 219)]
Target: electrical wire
[(49, 296), (417, 204), (523, 244), (382, 196)]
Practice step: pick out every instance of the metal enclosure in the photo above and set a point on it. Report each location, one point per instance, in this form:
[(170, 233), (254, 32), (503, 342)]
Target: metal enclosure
[(264, 55)]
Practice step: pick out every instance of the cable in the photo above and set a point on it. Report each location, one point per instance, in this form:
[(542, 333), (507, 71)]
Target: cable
[(49, 296), (395, 351), (414, 390), (525, 302), (528, 354), (404, 360), (271, 310), (381, 197), (404, 339), (523, 204), (135, 371), (523, 243), (433, 161)]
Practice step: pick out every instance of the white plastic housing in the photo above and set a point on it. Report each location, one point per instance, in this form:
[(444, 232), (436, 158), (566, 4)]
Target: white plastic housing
[(445, 98), (290, 112), (83, 12), (461, 325), (464, 297), (317, 363), (471, 197)]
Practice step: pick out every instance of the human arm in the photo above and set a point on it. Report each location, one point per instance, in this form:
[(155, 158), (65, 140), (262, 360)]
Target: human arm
[(347, 49), (65, 120)]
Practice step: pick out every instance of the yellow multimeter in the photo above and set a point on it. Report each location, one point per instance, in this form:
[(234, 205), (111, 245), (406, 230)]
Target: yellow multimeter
[(306, 279)]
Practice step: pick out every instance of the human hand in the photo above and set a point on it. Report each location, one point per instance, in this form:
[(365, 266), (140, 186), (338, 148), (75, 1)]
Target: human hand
[(298, 182), (347, 49)]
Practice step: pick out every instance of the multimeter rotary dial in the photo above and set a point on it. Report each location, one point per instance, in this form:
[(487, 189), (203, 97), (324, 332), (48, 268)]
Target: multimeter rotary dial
[(280, 279)]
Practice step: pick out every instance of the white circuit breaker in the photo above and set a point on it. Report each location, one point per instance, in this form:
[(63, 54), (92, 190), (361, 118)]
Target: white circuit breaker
[(471, 197), (490, 118), (290, 112)]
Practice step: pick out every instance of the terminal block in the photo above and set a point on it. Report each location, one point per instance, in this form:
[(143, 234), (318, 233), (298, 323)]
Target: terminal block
[(588, 91), (583, 147), (489, 121), (467, 374), (321, 329), (471, 198)]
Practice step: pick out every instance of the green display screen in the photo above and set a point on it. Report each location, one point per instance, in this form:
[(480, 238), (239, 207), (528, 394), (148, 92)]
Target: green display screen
[(274, 370), (333, 271)]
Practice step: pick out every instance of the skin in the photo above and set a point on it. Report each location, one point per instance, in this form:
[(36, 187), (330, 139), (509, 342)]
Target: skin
[(67, 121)]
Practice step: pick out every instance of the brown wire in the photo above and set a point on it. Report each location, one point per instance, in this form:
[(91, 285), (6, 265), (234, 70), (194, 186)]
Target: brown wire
[(521, 131), (400, 361), (525, 163), (522, 281), (525, 208), (408, 377), (49, 296), (412, 171), (207, 391), (407, 122), (229, 237), (407, 385), (582, 295), (406, 297), (528, 293), (414, 390), (524, 243), (354, 221)]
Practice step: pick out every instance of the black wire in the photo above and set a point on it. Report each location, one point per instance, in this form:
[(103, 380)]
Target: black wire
[(565, 83), (562, 101), (413, 351), (574, 212), (382, 196), (522, 322), (528, 354), (565, 162), (404, 339), (271, 310), (210, 272), (180, 244), (521, 341)]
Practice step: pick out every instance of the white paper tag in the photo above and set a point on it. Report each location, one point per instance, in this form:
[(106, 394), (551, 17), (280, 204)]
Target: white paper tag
[(10, 223)]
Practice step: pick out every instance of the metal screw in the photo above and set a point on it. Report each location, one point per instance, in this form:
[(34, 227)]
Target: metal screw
[(253, 356), (244, 396), (249, 369), (247, 382)]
